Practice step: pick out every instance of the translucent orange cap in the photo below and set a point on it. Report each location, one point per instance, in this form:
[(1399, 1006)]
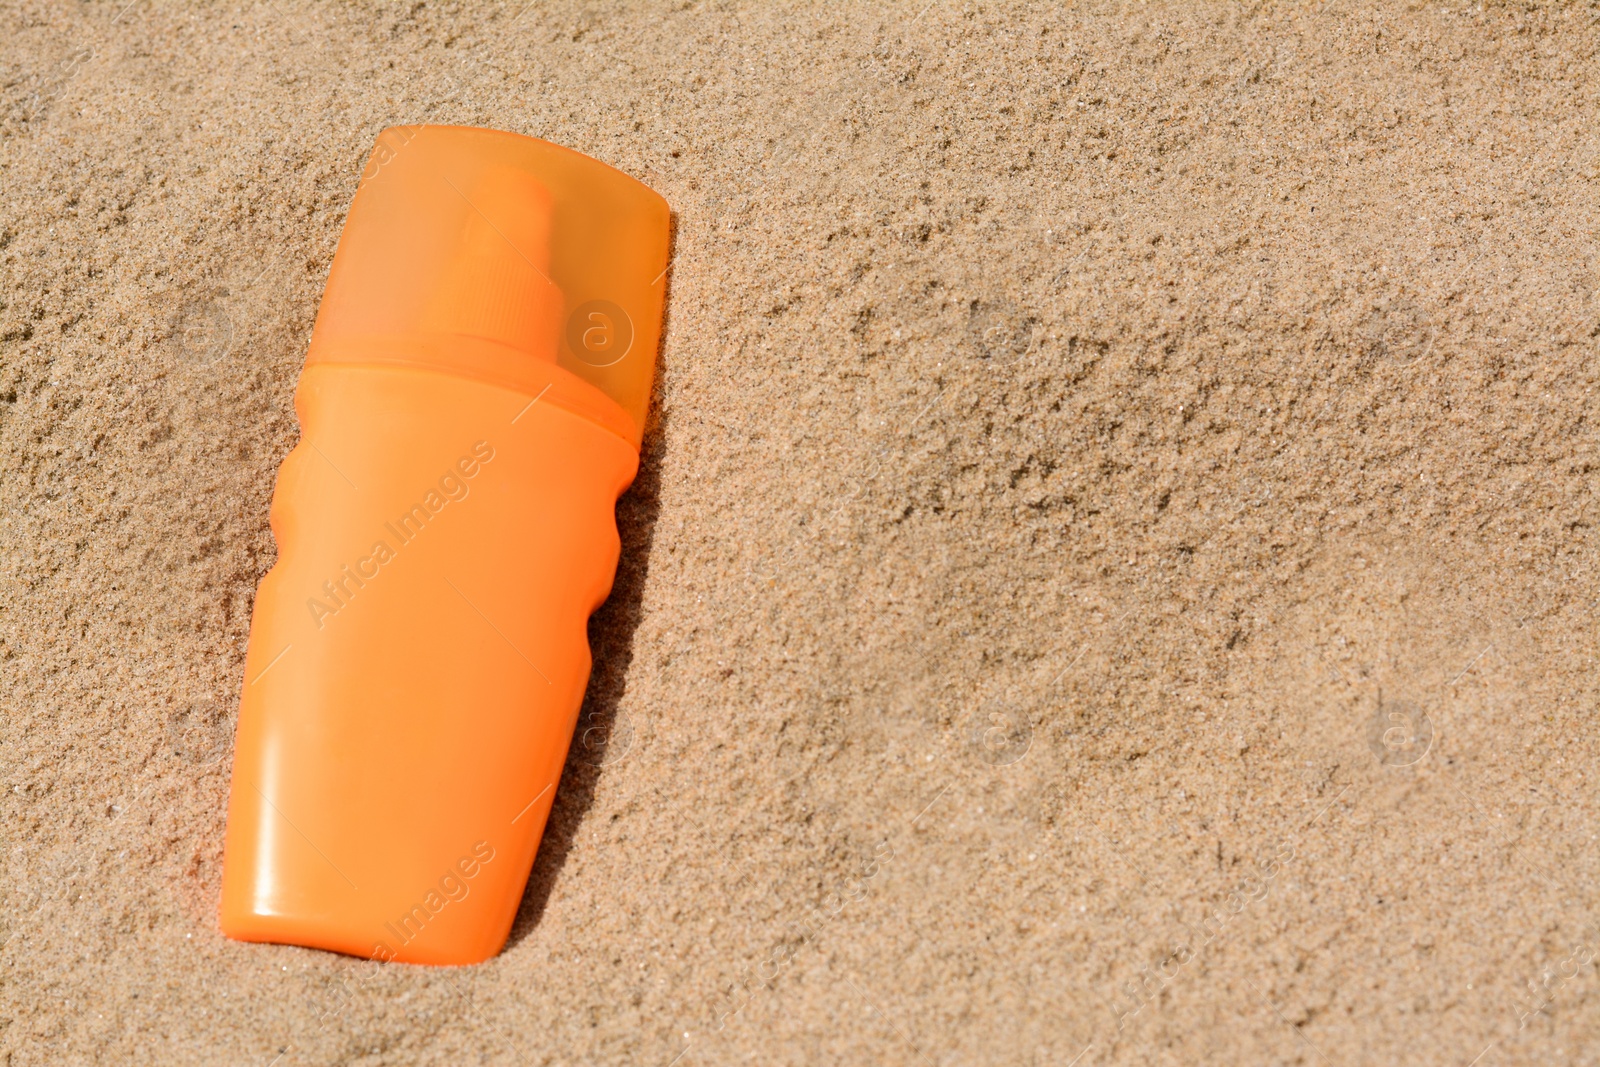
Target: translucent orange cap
[(461, 233)]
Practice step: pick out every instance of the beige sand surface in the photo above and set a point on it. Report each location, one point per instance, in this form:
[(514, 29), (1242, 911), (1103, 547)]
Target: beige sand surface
[(1075, 426)]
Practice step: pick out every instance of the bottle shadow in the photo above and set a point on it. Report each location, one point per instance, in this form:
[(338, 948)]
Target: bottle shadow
[(600, 740)]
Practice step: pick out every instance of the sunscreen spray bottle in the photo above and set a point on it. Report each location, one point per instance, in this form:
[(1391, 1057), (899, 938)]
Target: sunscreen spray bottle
[(471, 407)]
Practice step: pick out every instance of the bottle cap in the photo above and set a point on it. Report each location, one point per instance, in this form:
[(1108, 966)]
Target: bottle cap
[(495, 250)]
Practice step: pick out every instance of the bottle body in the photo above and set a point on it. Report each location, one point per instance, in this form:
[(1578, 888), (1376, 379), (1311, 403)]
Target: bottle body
[(472, 405), (418, 655)]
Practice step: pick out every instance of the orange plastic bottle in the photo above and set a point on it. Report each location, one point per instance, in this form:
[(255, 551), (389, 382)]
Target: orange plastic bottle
[(471, 408)]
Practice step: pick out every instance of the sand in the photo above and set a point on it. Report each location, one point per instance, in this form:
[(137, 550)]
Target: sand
[(1112, 578)]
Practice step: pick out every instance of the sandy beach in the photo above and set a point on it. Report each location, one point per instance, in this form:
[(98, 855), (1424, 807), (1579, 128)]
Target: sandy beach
[(1111, 580)]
